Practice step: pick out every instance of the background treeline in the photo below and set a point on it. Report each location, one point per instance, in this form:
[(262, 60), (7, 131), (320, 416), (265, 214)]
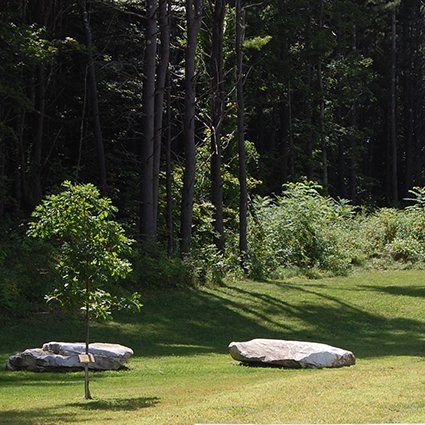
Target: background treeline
[(183, 112)]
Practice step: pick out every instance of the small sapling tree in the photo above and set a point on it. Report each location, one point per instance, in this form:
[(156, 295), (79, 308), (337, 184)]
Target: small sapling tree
[(90, 253)]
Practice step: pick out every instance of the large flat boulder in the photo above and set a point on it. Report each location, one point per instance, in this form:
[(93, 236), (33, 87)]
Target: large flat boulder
[(291, 354), (63, 356)]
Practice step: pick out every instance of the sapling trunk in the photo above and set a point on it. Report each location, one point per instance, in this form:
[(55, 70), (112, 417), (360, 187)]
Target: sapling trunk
[(86, 365)]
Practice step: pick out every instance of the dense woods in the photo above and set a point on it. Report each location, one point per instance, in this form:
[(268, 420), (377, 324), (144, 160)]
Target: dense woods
[(183, 112)]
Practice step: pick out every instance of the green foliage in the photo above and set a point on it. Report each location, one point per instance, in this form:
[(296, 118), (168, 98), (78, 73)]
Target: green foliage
[(393, 235), (304, 232), (91, 248), (257, 43), (153, 268), (299, 229), (418, 199), (24, 273)]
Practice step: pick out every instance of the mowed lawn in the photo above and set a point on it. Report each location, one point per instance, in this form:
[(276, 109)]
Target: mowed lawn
[(181, 372)]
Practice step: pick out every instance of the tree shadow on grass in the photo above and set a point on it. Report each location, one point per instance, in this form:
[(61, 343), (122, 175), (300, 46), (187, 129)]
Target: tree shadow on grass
[(51, 415), (201, 321), (37, 416), (36, 379), (407, 291), (118, 404)]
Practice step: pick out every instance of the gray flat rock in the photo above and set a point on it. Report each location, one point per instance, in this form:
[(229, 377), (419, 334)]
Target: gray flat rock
[(291, 354), (62, 356)]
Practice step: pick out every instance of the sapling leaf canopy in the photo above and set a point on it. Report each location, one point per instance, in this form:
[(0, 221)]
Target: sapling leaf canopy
[(91, 252)]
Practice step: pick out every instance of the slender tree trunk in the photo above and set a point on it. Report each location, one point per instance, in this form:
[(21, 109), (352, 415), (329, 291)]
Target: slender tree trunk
[(164, 59), (291, 134), (94, 99), (416, 90), (353, 139), (217, 106), (323, 144), (2, 166), (325, 179), (193, 20), (37, 191), (20, 162), (409, 14), (283, 136), (41, 12), (243, 196), (394, 156), (147, 227), (341, 148), (86, 365), (169, 175), (310, 132)]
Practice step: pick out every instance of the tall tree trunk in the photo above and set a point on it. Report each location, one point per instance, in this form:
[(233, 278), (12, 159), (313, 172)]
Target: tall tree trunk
[(243, 196), (2, 166), (291, 134), (217, 106), (353, 140), (164, 59), (309, 118), (94, 101), (147, 227), (417, 91), (409, 12), (322, 113), (193, 21), (169, 175), (283, 136), (20, 162), (394, 156), (36, 168), (323, 144)]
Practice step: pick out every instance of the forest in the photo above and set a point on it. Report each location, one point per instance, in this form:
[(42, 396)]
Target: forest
[(234, 137)]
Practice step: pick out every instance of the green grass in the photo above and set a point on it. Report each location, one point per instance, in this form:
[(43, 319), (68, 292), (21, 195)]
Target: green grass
[(181, 372)]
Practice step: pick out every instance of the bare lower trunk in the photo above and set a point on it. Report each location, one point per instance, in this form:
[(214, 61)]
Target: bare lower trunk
[(169, 176), (325, 180), (243, 196), (36, 192), (2, 172), (217, 106), (193, 18), (394, 157), (94, 101), (147, 227), (353, 140), (309, 117), (164, 54), (290, 134)]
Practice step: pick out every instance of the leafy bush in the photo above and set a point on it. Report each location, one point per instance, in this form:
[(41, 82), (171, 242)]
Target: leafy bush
[(393, 235), (300, 229), (306, 231)]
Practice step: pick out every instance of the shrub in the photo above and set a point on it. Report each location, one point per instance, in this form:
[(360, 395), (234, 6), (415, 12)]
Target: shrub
[(394, 235), (301, 228)]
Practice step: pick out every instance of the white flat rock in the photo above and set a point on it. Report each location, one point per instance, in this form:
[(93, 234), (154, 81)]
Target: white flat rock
[(56, 356), (291, 354), (96, 348)]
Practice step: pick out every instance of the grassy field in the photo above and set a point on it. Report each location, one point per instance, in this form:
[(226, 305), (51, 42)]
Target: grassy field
[(181, 372)]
